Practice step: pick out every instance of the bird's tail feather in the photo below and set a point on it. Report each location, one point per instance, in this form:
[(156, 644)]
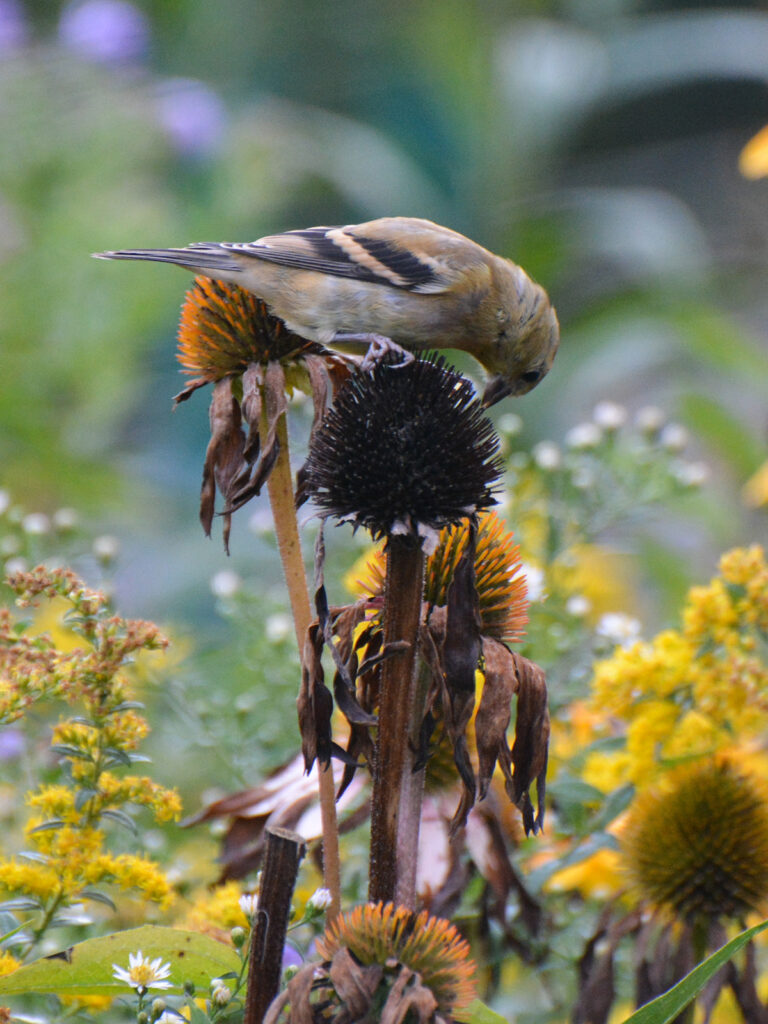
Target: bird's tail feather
[(203, 256)]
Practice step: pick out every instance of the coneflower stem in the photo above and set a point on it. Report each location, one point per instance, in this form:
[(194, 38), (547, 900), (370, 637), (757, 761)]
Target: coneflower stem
[(280, 488), (411, 798), (392, 864)]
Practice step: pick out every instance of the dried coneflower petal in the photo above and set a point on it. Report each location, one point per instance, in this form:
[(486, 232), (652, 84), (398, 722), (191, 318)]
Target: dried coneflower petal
[(228, 337), (224, 328)]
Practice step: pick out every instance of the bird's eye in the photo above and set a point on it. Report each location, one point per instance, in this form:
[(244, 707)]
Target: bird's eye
[(531, 376)]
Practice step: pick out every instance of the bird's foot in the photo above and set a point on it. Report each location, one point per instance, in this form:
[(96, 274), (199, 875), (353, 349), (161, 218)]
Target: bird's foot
[(379, 347)]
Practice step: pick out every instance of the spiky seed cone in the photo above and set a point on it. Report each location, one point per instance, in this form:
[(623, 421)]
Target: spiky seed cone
[(404, 446), (700, 850), (430, 946)]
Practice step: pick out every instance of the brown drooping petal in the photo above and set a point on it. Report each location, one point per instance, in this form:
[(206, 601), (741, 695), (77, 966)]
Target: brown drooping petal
[(224, 458), (409, 999), (530, 749), (265, 385), (355, 984), (345, 991), (495, 710), (454, 653), (314, 703)]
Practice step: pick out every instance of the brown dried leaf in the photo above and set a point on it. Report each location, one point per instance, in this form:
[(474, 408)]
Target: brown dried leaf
[(355, 984)]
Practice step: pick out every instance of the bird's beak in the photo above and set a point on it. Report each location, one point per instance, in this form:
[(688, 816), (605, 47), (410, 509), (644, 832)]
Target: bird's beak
[(496, 389)]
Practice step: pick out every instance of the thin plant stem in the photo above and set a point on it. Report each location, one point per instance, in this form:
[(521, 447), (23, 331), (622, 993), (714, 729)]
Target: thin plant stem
[(285, 850), (393, 864), (280, 488)]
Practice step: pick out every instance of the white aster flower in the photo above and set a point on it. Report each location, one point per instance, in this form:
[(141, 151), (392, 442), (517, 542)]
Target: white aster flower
[(248, 904), (5, 501), (510, 424), (220, 992), (584, 435), (278, 626), (650, 419), (65, 519), (674, 437), (618, 628), (578, 605), (226, 583), (609, 415), (106, 548), (534, 581), (691, 474), (320, 899), (36, 523), (143, 973), (546, 455)]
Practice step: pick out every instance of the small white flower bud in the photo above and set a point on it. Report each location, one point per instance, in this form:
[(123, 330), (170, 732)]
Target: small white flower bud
[(320, 899)]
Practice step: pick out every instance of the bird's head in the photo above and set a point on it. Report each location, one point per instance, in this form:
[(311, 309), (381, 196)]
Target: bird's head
[(528, 337)]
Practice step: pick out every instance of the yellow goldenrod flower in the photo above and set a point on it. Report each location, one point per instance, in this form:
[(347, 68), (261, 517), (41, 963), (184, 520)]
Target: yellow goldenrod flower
[(8, 963)]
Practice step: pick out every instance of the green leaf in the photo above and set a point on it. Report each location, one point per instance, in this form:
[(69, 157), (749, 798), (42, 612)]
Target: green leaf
[(478, 1013), (47, 826), (97, 897), (118, 756), (67, 750), (127, 705), (21, 903), (86, 969), (668, 1006), (615, 803), (121, 818)]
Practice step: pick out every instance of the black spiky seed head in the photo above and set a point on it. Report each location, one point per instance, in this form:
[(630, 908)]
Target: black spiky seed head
[(404, 447), (700, 848)]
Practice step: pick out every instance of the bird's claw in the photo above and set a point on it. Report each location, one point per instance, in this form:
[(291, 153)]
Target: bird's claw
[(379, 347)]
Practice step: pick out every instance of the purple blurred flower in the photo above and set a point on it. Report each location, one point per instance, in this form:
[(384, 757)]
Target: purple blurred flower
[(109, 31), (14, 30), (12, 744), (192, 115), (291, 956)]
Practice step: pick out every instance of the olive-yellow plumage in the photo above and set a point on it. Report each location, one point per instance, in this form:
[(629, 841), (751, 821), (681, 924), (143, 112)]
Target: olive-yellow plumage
[(396, 279)]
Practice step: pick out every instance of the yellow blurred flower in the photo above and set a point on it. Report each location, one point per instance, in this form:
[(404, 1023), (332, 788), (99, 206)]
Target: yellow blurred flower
[(753, 159), (755, 490)]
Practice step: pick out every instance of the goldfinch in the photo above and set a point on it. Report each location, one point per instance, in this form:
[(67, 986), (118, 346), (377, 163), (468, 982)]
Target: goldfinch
[(392, 282)]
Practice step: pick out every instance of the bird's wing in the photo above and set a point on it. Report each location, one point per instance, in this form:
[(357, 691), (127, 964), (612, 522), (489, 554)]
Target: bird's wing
[(378, 256)]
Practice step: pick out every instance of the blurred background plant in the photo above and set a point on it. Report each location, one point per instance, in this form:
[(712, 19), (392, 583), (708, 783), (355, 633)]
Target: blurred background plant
[(596, 144)]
